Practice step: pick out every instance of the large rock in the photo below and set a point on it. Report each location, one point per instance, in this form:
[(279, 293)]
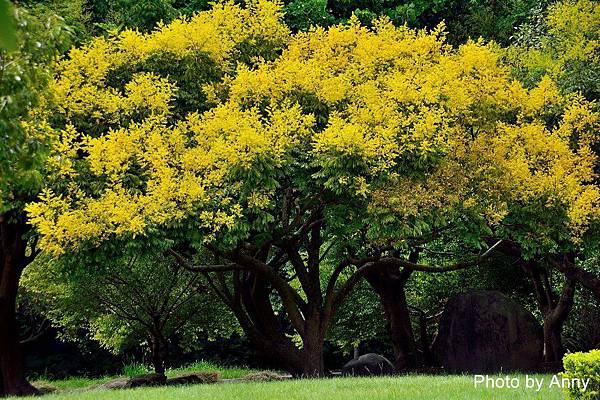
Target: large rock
[(368, 365), (485, 331)]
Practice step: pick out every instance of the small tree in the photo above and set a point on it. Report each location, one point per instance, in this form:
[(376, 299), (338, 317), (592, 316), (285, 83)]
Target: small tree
[(128, 299)]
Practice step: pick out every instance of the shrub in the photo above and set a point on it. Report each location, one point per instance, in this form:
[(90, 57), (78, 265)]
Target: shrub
[(583, 366)]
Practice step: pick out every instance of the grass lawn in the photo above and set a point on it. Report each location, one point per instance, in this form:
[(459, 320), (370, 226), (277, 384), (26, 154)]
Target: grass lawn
[(414, 387)]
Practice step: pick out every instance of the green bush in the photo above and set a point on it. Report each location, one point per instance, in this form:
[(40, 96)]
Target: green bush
[(583, 366)]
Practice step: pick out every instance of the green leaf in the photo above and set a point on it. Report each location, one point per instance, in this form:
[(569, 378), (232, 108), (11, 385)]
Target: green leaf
[(8, 38)]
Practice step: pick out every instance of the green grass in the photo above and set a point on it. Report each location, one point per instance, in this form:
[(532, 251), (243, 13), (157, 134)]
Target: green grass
[(415, 387), (204, 366), (139, 369)]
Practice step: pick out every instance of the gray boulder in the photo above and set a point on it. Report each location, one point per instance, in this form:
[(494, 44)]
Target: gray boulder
[(370, 364), (485, 331)]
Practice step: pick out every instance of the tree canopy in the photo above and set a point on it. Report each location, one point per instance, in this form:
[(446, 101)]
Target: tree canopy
[(329, 115)]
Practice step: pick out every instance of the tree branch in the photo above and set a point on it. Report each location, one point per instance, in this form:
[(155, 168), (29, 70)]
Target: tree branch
[(206, 268), (583, 277), (370, 264)]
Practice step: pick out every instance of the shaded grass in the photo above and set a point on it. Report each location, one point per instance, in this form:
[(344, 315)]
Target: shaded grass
[(416, 387)]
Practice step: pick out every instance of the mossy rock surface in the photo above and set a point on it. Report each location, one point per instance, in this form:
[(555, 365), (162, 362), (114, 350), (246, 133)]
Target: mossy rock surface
[(486, 331)]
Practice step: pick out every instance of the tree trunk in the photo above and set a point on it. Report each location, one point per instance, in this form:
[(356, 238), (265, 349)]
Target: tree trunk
[(12, 261), (278, 350), (553, 348), (159, 354), (389, 286), (252, 307), (554, 320), (555, 309), (312, 346), (307, 361), (312, 352)]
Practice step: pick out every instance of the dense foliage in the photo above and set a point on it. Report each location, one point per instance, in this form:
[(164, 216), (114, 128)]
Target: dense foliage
[(368, 124), (311, 166), (564, 45), (24, 72)]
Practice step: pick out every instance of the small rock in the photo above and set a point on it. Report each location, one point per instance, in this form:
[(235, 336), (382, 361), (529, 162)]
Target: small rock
[(370, 364), (45, 388)]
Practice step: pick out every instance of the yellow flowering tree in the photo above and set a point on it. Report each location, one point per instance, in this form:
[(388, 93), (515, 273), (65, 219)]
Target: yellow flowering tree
[(303, 173)]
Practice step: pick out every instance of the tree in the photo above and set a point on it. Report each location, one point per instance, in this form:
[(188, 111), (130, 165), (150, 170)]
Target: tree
[(313, 169), (132, 297), (23, 145), (389, 284)]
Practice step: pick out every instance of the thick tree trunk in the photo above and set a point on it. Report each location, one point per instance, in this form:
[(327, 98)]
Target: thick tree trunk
[(307, 361), (553, 348), (252, 307), (389, 286), (312, 347), (277, 350), (313, 361), (12, 261)]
